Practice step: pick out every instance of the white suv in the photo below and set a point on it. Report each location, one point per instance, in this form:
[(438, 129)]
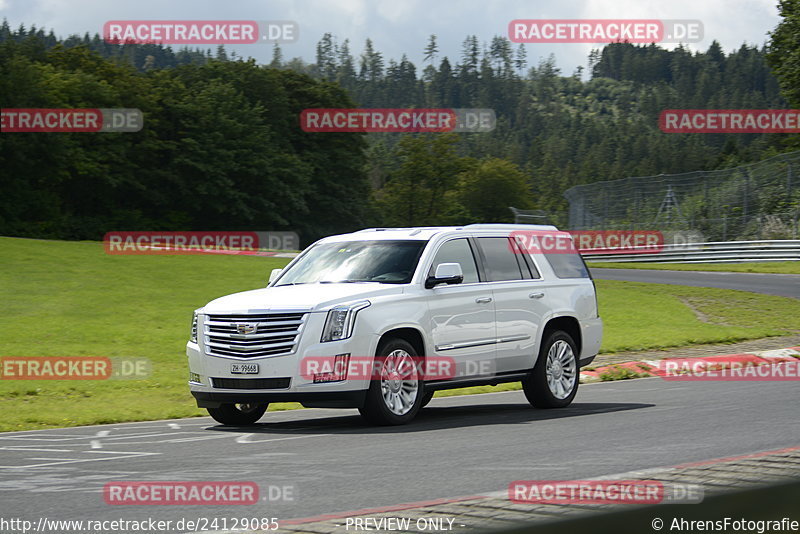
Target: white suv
[(381, 318)]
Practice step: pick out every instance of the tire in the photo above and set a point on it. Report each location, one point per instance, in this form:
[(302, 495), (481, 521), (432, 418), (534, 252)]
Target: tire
[(553, 382), (426, 399), (395, 391), (238, 414)]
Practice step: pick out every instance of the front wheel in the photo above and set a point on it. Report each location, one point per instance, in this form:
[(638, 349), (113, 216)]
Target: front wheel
[(553, 382), (238, 414), (395, 391)]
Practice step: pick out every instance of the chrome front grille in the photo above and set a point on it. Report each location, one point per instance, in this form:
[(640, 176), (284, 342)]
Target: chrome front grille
[(252, 335)]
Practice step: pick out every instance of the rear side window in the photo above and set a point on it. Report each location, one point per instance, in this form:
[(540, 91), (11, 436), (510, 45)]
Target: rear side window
[(567, 265), (501, 261), (457, 251)]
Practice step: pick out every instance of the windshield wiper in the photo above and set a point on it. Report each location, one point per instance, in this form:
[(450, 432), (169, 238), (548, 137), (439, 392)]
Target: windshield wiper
[(343, 281)]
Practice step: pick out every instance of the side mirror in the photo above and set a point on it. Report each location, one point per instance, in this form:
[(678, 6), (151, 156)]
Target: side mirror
[(446, 273), (274, 275)]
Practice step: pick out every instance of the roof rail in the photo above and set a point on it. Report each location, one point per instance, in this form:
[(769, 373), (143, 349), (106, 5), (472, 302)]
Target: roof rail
[(416, 229), (379, 230), (505, 226)]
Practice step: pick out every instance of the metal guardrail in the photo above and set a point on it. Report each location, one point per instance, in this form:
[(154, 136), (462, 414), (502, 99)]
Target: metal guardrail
[(716, 252)]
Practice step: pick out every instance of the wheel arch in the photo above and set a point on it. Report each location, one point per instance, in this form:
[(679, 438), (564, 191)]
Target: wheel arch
[(565, 323), (412, 335)]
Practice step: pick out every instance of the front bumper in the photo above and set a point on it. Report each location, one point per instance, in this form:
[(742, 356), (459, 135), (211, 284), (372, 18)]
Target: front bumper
[(281, 374), (318, 399)]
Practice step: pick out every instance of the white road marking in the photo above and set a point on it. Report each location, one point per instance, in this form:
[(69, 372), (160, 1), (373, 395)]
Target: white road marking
[(25, 438), (118, 456), (141, 435), (29, 448), (198, 438), (246, 438)]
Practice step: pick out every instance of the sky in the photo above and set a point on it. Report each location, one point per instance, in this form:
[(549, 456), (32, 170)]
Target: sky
[(399, 27)]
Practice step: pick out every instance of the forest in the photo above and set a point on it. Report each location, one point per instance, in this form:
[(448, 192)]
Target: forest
[(222, 147)]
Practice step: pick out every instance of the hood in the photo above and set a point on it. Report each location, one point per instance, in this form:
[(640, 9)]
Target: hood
[(305, 297)]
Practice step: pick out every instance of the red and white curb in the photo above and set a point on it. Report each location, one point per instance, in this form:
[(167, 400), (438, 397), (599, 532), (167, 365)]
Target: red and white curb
[(330, 522), (650, 368)]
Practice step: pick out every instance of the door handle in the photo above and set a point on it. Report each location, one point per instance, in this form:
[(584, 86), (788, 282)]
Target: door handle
[(483, 300), (536, 295)]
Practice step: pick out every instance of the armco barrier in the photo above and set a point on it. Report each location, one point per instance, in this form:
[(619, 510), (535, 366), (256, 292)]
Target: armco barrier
[(718, 252)]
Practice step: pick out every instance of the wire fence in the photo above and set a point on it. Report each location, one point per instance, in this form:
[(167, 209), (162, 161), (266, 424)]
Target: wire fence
[(756, 201)]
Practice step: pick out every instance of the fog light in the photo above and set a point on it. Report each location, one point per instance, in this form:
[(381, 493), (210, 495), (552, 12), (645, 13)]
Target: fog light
[(194, 377), (335, 372)]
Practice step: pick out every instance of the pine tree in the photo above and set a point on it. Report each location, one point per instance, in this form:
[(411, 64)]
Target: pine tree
[(432, 49)]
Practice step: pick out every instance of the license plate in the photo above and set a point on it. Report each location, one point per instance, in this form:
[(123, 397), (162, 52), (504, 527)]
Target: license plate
[(244, 368)]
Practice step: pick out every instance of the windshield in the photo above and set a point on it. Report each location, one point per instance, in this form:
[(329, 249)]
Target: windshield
[(386, 262)]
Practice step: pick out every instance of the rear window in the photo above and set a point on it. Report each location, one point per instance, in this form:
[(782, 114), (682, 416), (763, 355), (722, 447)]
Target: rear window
[(568, 265)]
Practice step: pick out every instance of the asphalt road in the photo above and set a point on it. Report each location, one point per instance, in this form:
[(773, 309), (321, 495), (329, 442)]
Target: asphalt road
[(458, 446), (785, 285)]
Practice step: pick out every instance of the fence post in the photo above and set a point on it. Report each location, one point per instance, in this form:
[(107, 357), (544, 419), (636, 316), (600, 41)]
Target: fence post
[(746, 196), (724, 226)]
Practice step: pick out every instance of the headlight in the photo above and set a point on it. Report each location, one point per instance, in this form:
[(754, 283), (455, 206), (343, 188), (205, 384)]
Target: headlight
[(341, 320), (193, 334)]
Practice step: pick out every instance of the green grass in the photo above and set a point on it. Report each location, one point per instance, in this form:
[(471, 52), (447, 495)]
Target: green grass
[(72, 299), (641, 316), (776, 267), (615, 372)]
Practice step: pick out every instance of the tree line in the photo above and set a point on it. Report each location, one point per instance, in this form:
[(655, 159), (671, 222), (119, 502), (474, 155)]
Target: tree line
[(222, 147)]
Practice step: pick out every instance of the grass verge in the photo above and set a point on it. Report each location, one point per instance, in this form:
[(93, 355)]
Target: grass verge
[(72, 299)]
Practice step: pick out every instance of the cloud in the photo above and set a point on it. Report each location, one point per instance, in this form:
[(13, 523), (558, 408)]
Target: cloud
[(402, 26)]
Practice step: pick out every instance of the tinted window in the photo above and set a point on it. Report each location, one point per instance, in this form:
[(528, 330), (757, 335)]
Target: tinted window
[(457, 251), (525, 261), (568, 265), (501, 261), (531, 266)]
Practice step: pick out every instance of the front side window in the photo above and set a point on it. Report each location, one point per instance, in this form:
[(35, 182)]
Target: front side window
[(457, 251), (386, 262)]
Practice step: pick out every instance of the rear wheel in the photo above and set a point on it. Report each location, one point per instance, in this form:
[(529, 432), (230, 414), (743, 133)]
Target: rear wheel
[(553, 382), (238, 414), (395, 392), (427, 398)]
